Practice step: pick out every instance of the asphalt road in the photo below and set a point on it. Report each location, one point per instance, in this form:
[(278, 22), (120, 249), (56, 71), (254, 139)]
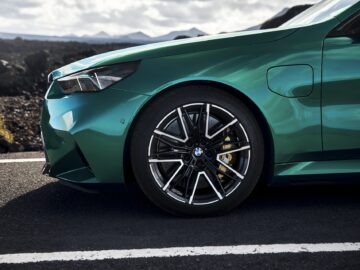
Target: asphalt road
[(38, 214)]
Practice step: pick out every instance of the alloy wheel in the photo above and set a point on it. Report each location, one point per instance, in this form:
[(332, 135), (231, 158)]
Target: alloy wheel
[(199, 153)]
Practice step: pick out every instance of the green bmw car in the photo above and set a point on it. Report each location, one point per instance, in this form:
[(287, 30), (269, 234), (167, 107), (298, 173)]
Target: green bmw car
[(198, 122)]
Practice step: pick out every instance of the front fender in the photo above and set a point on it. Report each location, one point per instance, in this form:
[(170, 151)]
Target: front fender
[(293, 121)]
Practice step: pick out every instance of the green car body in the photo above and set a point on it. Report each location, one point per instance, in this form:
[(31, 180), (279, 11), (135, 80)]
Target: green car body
[(302, 84)]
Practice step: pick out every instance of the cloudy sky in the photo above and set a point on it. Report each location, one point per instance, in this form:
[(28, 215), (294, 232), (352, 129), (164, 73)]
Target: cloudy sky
[(153, 17)]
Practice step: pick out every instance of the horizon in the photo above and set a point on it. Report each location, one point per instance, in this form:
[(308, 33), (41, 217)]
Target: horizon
[(104, 32), (153, 18)]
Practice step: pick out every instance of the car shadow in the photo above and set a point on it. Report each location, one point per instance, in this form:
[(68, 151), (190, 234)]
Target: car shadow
[(62, 200), (56, 217)]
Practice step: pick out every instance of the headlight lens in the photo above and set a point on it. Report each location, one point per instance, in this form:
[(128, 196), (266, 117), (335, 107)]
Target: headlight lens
[(97, 79)]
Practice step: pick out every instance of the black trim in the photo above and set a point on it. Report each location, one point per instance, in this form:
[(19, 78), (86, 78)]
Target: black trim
[(95, 188), (343, 29), (316, 179), (327, 155)]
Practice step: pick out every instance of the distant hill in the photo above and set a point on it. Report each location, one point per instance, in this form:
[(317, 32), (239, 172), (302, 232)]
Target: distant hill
[(136, 36), (103, 37), (193, 32), (102, 34)]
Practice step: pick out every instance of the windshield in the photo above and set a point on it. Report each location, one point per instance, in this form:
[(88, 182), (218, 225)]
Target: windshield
[(320, 12)]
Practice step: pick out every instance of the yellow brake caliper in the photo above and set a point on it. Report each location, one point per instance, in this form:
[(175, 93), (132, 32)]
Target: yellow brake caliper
[(227, 159)]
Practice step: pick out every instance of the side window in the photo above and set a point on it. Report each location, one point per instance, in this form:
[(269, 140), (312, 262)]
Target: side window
[(350, 28)]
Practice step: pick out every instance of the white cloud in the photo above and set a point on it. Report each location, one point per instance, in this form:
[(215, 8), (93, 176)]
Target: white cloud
[(154, 17)]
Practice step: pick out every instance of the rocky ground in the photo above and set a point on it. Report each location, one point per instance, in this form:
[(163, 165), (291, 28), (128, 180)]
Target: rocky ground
[(22, 117), (24, 66)]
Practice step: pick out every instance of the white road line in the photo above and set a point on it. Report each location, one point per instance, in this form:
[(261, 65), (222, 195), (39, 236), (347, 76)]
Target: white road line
[(176, 252), (22, 160)]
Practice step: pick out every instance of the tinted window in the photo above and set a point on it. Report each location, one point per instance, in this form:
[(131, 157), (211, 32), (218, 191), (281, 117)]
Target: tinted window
[(320, 12), (350, 28)]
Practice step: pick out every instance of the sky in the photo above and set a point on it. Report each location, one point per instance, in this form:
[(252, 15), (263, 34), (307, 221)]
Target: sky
[(153, 17)]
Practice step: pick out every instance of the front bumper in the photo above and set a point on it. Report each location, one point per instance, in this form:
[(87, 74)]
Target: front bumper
[(84, 134)]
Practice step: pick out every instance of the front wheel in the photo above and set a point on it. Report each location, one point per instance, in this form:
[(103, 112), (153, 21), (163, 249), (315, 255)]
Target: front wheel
[(197, 151)]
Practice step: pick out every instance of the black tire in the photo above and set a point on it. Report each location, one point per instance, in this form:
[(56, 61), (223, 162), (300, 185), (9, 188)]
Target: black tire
[(252, 159)]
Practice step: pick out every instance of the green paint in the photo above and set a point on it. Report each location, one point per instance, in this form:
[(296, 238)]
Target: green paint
[(291, 81), (326, 90)]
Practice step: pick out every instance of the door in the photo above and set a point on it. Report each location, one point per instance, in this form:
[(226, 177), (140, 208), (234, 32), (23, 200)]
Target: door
[(341, 90)]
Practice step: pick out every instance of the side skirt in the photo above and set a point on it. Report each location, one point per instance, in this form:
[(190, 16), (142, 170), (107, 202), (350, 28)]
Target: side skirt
[(317, 172)]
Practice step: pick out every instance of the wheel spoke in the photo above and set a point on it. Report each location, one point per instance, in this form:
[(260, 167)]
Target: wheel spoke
[(212, 185), (229, 168), (174, 174), (222, 142), (194, 189), (183, 125), (220, 130), (188, 120), (199, 120), (188, 184), (210, 165), (217, 179), (166, 141), (162, 133), (174, 153), (217, 126), (188, 176), (233, 151), (230, 152), (187, 173)]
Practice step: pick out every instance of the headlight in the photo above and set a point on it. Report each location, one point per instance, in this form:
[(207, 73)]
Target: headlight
[(97, 79)]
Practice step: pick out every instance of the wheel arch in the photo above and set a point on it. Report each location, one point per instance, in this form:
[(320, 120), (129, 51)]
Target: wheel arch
[(236, 93)]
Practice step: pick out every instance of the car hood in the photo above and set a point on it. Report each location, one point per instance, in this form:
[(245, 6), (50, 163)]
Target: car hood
[(175, 47)]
